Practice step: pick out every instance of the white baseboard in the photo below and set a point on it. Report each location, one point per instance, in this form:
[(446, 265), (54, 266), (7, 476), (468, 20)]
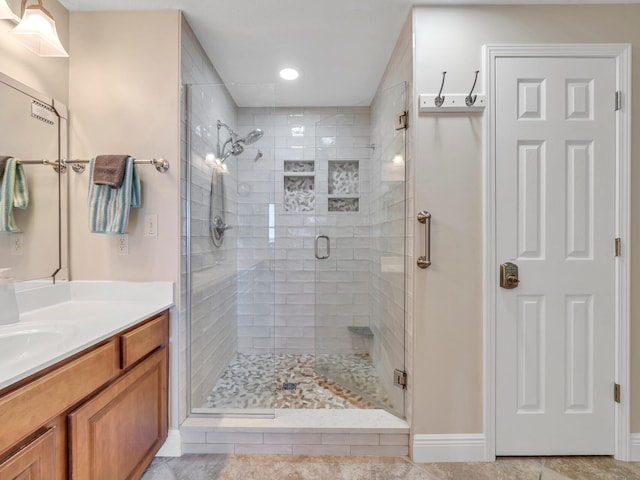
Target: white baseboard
[(172, 447), (466, 447), (634, 448)]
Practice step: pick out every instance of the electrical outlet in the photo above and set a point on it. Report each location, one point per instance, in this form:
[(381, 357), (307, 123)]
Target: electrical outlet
[(151, 225), (17, 244), (122, 244)]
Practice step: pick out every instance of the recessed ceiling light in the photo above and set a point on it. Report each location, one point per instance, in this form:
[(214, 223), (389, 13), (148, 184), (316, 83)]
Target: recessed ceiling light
[(289, 73)]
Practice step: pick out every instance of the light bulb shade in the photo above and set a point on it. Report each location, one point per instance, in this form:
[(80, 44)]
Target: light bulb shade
[(37, 31), (6, 13)]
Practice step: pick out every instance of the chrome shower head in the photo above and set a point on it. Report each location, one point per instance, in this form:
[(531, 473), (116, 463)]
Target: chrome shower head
[(252, 137), (236, 144)]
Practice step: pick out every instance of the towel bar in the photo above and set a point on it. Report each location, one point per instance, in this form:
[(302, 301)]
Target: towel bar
[(161, 164)]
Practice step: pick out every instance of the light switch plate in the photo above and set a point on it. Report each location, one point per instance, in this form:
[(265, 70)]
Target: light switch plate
[(151, 225)]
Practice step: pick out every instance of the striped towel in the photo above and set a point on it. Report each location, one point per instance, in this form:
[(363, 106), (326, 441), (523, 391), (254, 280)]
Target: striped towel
[(109, 206), (14, 193)]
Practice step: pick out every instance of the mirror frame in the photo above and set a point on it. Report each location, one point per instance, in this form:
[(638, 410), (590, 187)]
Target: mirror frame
[(61, 273)]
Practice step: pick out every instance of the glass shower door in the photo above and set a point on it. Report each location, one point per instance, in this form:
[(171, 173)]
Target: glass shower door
[(359, 251), (230, 251)]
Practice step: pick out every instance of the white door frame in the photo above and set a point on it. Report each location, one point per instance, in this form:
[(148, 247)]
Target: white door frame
[(622, 54)]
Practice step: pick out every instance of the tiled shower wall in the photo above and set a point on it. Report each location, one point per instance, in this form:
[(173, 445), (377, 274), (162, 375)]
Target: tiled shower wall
[(213, 280), (317, 135)]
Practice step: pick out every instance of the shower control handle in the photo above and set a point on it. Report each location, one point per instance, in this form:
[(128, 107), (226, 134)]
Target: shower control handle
[(315, 244)]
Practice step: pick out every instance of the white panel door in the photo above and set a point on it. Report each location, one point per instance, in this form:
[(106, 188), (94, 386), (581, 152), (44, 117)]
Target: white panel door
[(555, 174)]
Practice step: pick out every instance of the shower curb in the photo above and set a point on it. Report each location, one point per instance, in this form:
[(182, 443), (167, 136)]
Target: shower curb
[(300, 432)]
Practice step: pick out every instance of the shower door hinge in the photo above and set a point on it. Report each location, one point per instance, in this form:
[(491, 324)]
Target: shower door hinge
[(616, 251), (401, 120), (616, 392), (618, 100), (400, 378)]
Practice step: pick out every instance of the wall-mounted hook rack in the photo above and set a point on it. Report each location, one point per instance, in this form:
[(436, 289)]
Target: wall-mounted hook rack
[(452, 103)]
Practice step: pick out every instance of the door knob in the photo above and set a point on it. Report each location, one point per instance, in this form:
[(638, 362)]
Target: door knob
[(509, 275)]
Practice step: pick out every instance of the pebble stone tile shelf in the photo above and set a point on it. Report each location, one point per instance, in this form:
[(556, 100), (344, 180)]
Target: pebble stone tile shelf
[(295, 166), (299, 193), (344, 178), (343, 204)]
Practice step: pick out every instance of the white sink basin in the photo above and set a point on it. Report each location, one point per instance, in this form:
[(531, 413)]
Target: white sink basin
[(21, 341)]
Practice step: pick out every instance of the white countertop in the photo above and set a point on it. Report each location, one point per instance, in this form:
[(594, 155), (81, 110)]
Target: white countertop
[(72, 316)]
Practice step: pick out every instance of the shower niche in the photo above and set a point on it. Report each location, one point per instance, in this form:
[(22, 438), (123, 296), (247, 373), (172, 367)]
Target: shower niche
[(299, 186), (343, 186)]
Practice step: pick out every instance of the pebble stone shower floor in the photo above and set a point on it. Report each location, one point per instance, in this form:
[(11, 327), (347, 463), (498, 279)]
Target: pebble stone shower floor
[(256, 381)]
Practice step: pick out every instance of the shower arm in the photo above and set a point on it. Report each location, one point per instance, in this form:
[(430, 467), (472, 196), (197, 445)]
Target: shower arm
[(232, 139)]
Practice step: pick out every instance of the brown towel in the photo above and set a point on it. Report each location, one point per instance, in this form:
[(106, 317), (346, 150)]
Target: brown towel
[(3, 163), (109, 170)]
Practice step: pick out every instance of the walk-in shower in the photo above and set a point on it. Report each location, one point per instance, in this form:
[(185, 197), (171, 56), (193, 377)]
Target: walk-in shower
[(302, 305)]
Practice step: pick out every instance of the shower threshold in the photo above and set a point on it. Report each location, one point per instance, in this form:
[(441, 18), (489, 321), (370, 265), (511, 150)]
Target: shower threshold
[(300, 432)]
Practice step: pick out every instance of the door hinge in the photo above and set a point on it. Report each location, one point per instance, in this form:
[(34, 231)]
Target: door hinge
[(618, 100), (400, 379), (616, 392), (617, 247), (401, 120)]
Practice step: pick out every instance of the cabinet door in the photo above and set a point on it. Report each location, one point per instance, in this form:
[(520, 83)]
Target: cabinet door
[(36, 461), (115, 435)]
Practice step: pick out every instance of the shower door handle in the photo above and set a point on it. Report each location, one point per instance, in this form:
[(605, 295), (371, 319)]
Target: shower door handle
[(316, 242), (424, 217)]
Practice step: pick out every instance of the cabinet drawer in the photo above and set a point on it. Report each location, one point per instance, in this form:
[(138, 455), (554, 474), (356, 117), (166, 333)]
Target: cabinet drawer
[(36, 461), (26, 409), (143, 340)]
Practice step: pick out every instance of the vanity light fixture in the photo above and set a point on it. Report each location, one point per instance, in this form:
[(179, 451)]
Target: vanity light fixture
[(37, 31), (289, 73), (6, 13)]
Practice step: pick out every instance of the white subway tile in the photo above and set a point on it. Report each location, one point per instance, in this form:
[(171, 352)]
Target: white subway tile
[(234, 437), (292, 438), (350, 439)]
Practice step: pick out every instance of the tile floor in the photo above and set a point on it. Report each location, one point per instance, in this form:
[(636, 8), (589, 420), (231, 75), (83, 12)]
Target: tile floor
[(256, 381), (269, 467)]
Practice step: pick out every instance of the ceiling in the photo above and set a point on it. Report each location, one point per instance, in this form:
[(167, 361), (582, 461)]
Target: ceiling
[(341, 46)]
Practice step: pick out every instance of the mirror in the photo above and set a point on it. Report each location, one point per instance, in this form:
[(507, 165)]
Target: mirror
[(33, 128)]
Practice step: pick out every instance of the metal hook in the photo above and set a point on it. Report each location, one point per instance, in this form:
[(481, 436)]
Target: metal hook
[(470, 100), (439, 100)]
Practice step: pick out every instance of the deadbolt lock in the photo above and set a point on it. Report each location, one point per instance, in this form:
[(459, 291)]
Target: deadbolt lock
[(509, 275)]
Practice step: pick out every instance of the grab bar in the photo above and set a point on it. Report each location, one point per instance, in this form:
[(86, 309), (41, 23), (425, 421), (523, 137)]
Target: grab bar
[(424, 217), (315, 243)]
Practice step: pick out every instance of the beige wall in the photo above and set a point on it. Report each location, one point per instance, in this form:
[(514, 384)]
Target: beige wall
[(125, 98), (47, 75), (448, 317)]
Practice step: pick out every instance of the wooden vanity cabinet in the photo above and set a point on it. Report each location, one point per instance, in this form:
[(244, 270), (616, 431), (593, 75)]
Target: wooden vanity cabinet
[(103, 414), (116, 434), (35, 461)]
